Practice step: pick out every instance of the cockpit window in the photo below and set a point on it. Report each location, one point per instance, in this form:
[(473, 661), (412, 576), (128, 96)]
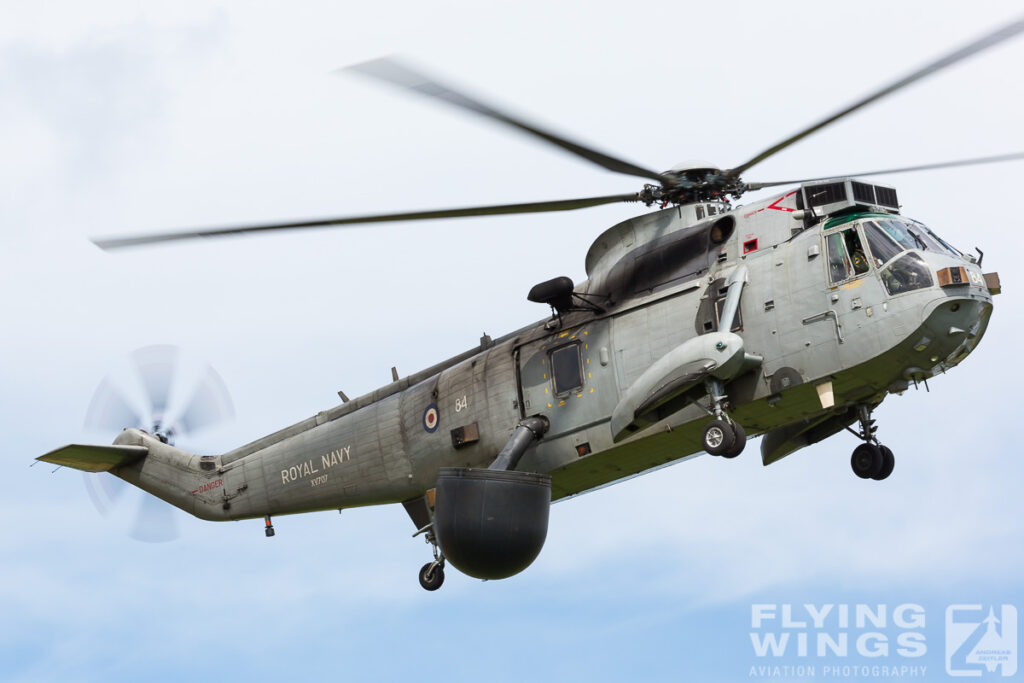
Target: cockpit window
[(913, 235), (949, 247), (900, 233), (883, 249), (933, 241), (906, 273), (846, 257)]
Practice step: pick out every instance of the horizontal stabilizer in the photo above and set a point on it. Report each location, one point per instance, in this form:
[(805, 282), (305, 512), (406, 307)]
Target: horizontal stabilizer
[(94, 458)]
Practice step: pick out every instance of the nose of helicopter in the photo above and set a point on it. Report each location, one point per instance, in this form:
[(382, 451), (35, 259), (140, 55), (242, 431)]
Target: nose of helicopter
[(953, 325)]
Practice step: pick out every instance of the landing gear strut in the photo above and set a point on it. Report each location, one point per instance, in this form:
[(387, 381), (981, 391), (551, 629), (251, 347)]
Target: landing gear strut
[(432, 573), (870, 460), (421, 511), (722, 436)]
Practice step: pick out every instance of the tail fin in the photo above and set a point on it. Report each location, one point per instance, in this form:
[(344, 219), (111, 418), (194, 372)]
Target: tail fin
[(94, 458)]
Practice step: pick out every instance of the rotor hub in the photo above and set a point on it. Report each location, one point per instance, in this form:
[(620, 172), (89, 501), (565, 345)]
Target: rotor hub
[(693, 181)]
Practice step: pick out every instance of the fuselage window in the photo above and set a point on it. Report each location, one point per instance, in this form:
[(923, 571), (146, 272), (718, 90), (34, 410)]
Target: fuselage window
[(846, 257), (567, 369)]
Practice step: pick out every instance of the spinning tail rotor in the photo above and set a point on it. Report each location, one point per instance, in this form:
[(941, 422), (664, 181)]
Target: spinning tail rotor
[(146, 396)]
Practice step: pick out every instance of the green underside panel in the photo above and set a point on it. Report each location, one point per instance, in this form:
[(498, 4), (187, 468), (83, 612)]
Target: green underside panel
[(867, 383)]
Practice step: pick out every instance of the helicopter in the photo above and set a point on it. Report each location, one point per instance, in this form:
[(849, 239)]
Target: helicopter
[(701, 323)]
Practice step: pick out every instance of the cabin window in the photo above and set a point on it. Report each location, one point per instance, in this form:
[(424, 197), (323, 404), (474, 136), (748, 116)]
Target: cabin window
[(846, 256), (567, 369)]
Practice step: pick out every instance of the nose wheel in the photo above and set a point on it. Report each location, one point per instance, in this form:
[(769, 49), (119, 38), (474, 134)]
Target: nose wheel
[(870, 460)]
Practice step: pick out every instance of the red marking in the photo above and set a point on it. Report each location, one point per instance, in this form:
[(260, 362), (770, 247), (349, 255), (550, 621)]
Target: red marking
[(774, 205), (209, 487), (430, 418), (749, 246)]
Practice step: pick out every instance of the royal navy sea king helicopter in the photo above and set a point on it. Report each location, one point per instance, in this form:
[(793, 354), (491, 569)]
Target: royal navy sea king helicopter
[(700, 324)]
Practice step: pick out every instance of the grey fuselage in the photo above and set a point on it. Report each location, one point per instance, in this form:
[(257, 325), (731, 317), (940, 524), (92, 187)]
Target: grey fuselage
[(826, 346)]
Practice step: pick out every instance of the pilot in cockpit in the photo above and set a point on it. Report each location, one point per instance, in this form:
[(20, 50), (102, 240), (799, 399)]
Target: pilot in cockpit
[(856, 251)]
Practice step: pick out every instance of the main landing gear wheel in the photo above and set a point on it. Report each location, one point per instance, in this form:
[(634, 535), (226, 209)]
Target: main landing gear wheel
[(432, 575), (739, 442), (888, 463), (867, 461), (719, 437), (870, 460)]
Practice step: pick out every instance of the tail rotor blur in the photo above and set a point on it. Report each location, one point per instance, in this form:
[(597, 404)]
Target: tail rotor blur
[(146, 393)]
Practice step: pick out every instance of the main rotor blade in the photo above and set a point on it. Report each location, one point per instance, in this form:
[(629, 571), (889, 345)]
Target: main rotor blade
[(905, 169), (394, 72), (1004, 33), (108, 243)]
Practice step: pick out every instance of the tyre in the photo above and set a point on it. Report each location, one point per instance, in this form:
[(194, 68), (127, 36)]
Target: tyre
[(718, 437), (739, 441), (867, 461), (431, 576), (888, 463)]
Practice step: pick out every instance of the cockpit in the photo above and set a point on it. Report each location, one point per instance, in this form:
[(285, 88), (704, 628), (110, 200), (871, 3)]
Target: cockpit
[(891, 243)]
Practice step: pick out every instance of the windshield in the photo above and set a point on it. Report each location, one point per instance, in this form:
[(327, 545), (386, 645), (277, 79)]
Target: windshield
[(940, 245), (883, 249), (888, 237), (899, 232), (906, 274)]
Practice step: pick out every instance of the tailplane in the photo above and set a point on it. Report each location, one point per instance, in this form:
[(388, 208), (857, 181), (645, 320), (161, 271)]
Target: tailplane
[(95, 458)]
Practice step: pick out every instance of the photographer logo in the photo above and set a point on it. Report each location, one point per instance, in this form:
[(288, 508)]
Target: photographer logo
[(981, 640)]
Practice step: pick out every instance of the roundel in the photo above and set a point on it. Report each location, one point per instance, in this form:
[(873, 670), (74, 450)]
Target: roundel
[(430, 418)]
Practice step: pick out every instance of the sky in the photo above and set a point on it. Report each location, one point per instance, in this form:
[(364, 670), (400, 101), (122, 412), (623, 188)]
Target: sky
[(123, 117)]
